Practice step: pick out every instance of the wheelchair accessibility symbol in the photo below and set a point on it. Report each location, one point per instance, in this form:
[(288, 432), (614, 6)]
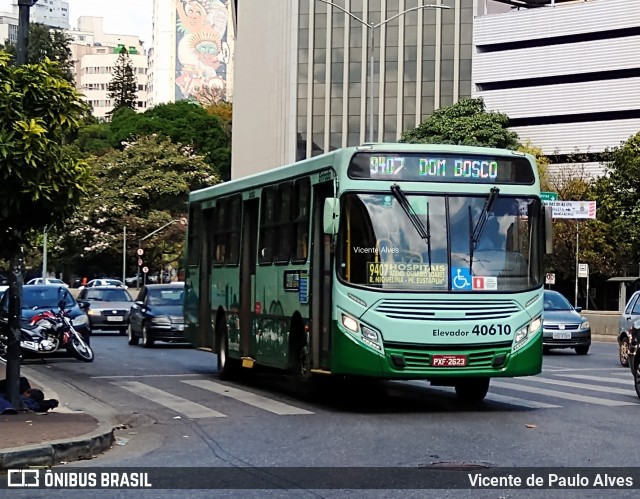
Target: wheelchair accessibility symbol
[(460, 278)]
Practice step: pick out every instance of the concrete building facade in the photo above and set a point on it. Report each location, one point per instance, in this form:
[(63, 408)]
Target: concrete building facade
[(8, 28), (53, 13), (95, 54), (567, 74), (302, 73)]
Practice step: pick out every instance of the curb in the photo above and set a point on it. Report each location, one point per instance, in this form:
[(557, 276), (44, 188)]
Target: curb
[(72, 449)]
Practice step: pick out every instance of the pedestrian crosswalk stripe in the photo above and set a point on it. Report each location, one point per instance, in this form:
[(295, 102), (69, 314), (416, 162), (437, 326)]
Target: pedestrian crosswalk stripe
[(247, 397), (600, 379), (173, 402), (532, 404), (493, 397), (584, 386), (563, 395)]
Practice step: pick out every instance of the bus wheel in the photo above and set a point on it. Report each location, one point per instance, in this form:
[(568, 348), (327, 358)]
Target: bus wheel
[(472, 389), (227, 367), (299, 354)]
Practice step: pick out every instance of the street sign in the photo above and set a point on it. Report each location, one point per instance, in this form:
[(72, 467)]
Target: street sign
[(550, 279), (583, 270), (573, 209), (145, 269), (139, 262), (139, 252), (548, 196)]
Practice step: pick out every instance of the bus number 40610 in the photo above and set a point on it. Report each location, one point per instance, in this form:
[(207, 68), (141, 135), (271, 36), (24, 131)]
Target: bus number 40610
[(492, 330)]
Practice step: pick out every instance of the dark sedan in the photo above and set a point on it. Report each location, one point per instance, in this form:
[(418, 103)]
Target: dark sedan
[(108, 307), (563, 326), (157, 314), (40, 297)]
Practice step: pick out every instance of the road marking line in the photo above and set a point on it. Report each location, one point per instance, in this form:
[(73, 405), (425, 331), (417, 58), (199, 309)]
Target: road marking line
[(584, 386), (494, 397), (562, 395), (598, 378), (144, 376), (173, 402), (247, 397), (532, 404)]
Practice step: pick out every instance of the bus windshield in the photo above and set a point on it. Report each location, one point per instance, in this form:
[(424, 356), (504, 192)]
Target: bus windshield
[(380, 246)]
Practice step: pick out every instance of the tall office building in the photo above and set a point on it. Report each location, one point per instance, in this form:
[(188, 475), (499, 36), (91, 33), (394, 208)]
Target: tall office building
[(566, 72), (302, 73), (192, 50)]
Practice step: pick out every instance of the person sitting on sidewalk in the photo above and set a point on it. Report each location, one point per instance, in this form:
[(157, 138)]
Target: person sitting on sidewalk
[(32, 398)]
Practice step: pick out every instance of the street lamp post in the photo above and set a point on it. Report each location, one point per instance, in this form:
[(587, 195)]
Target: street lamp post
[(182, 220), (22, 47), (372, 27)]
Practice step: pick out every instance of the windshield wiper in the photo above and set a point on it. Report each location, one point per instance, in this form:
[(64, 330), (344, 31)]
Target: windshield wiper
[(423, 232), (476, 233)]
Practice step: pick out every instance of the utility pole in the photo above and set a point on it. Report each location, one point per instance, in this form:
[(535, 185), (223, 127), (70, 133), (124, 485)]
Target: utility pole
[(16, 278)]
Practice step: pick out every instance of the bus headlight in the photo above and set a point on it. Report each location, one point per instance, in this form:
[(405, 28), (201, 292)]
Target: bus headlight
[(350, 323), (368, 335), (525, 333)]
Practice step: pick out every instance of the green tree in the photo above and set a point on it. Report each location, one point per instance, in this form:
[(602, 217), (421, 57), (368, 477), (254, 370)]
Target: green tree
[(184, 123), (465, 123), (618, 197), (46, 43), (143, 187), (123, 87), (41, 181)]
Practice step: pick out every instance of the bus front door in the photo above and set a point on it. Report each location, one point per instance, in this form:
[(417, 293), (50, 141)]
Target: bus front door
[(248, 271), (321, 282)]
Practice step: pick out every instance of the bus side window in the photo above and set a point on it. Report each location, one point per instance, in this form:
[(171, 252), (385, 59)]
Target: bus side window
[(300, 220), (220, 236), (232, 223), (283, 216), (267, 226)]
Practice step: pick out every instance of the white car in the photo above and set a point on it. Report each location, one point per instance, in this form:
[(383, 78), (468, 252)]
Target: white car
[(103, 282), (48, 280)]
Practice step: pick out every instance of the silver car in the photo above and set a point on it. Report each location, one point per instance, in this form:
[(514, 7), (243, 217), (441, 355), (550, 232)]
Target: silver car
[(628, 319), (108, 309), (563, 326)]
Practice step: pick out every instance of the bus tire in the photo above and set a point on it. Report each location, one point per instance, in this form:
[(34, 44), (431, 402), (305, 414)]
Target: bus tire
[(472, 389), (227, 367)]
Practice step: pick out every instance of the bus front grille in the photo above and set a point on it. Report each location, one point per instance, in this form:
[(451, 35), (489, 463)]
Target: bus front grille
[(447, 310), (418, 358)]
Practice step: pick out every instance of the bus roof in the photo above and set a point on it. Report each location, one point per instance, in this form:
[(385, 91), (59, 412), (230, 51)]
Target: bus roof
[(328, 160)]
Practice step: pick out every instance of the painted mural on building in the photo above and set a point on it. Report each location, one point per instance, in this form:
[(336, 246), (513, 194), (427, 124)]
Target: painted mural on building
[(203, 53)]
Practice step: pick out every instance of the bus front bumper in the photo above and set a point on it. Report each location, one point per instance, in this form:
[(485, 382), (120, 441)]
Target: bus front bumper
[(351, 357)]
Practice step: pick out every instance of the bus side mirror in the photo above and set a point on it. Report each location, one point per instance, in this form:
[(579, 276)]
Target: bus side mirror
[(331, 215), (548, 230)]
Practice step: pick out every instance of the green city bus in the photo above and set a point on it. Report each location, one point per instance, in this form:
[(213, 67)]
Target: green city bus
[(389, 260)]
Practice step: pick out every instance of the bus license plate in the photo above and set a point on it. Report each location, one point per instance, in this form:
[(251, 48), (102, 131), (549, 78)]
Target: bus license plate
[(561, 335), (449, 360)]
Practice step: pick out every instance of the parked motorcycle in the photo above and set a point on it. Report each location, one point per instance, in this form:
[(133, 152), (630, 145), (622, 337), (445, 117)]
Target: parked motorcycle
[(47, 332)]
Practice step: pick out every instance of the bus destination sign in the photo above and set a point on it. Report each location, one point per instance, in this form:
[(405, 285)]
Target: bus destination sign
[(441, 168)]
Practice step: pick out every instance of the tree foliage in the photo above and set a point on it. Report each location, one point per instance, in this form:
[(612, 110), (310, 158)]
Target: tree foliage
[(465, 123), (618, 195), (41, 180), (123, 87), (142, 187), (52, 44), (184, 123)]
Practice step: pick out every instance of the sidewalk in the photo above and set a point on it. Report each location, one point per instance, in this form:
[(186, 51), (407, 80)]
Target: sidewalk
[(61, 435)]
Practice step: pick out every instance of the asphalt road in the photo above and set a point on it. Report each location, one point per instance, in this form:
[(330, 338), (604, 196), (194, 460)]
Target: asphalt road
[(580, 412)]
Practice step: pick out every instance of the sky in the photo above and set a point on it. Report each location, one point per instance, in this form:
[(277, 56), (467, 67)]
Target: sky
[(124, 17)]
